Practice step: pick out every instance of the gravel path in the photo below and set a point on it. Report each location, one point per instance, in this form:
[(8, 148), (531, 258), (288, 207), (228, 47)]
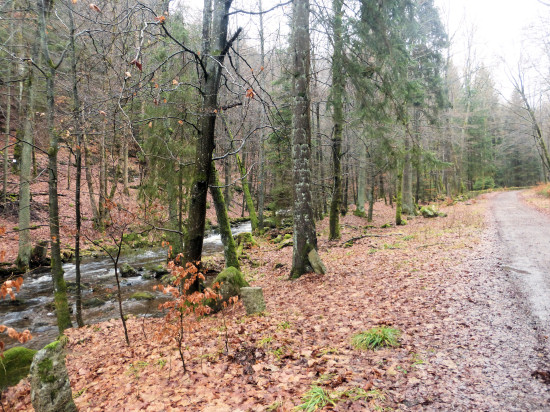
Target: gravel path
[(495, 355)]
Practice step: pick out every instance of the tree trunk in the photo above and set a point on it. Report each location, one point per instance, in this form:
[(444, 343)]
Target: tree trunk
[(361, 180), (102, 178), (244, 182), (78, 122), (8, 114), (261, 186), (229, 248), (60, 288), (25, 177), (372, 198), (338, 119), (89, 180), (205, 143), (126, 190), (407, 198), (304, 238), (399, 196)]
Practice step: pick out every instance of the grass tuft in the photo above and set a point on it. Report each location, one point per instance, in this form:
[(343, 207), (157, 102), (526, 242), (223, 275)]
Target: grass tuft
[(316, 398), (376, 338)]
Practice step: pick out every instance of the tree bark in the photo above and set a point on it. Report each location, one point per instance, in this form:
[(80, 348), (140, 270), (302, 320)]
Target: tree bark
[(60, 288), (25, 244), (338, 120), (304, 238), (261, 186), (361, 180), (78, 123), (213, 64), (407, 198), (89, 180), (229, 248)]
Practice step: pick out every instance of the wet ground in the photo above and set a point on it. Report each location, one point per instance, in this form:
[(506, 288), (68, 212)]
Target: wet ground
[(497, 324)]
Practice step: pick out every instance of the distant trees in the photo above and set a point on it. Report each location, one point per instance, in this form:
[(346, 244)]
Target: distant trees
[(361, 106)]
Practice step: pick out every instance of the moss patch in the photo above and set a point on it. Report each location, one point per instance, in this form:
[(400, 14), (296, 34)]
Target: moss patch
[(15, 366), (142, 296)]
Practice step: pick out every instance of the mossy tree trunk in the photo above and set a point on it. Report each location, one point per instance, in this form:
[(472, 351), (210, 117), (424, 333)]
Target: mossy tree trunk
[(229, 247), (244, 182), (60, 288), (304, 238), (338, 120)]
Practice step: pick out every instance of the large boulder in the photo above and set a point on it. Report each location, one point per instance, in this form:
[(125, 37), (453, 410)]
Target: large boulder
[(231, 281), (15, 366), (50, 385), (127, 271)]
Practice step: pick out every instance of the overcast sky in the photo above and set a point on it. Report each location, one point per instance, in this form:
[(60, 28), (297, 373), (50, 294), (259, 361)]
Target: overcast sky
[(499, 27), (501, 31)]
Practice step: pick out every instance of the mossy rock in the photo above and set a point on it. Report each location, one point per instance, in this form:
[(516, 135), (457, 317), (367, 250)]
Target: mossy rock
[(270, 223), (158, 271), (278, 239), (128, 271), (67, 255), (167, 279), (231, 280), (71, 286), (93, 303), (285, 243), (142, 296), (287, 236), (245, 239), (15, 366), (431, 211), (385, 226)]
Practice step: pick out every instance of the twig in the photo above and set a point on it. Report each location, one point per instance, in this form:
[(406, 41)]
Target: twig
[(354, 239)]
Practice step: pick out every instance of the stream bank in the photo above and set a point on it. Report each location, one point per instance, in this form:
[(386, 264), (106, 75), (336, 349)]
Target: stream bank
[(33, 308)]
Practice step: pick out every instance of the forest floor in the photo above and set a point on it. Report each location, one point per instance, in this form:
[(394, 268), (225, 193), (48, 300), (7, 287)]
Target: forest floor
[(469, 339)]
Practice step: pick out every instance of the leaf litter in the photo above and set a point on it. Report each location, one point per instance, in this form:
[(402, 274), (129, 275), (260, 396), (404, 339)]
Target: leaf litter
[(422, 286)]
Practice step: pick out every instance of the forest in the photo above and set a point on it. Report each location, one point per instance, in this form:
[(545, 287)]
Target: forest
[(341, 153)]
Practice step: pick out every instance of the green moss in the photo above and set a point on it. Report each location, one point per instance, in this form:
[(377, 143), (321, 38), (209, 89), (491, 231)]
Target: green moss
[(44, 370), (15, 366), (142, 296), (232, 276), (52, 345)]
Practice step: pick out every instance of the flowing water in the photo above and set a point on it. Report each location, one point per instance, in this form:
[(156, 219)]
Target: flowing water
[(33, 308)]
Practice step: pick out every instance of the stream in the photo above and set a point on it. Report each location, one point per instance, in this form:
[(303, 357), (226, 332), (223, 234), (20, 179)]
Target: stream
[(33, 308)]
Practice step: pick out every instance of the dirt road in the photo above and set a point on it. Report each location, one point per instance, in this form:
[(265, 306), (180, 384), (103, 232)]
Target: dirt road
[(499, 318), (524, 235)]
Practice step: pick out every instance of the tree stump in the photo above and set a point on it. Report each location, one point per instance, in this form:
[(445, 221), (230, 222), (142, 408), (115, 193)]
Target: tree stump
[(253, 300)]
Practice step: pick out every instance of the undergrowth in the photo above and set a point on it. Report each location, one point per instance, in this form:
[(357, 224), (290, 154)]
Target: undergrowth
[(376, 338), (317, 398), (543, 190)]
